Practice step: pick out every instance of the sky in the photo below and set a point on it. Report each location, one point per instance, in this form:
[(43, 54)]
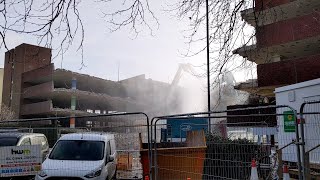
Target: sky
[(108, 53)]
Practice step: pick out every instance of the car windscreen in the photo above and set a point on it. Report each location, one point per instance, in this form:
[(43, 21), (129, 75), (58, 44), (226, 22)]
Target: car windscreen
[(78, 150), (8, 141)]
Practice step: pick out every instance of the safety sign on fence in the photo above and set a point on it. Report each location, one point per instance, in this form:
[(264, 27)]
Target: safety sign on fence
[(289, 121), (20, 160)]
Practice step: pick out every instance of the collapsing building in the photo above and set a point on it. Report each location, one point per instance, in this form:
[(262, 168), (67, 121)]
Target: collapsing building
[(286, 52), (287, 44), (34, 88)]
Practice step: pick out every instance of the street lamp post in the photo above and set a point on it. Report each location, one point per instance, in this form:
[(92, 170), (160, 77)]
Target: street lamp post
[(208, 63)]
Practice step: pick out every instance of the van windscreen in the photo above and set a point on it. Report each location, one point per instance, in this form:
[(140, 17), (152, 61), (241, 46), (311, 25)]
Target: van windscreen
[(78, 150), (8, 141)]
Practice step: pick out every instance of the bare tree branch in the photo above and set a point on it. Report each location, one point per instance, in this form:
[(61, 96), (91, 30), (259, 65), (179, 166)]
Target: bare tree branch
[(57, 23), (49, 22), (137, 14)]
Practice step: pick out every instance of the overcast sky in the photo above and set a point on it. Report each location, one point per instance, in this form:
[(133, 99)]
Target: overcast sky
[(156, 56)]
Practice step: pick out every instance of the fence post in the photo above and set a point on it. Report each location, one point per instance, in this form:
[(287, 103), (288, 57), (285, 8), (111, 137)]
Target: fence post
[(298, 144), (307, 166), (303, 148), (280, 163)]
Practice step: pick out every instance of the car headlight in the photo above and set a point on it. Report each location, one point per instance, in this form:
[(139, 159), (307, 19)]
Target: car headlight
[(42, 173), (94, 173)]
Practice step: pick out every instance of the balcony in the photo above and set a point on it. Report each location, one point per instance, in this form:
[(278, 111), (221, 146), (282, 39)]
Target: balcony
[(286, 51), (281, 12)]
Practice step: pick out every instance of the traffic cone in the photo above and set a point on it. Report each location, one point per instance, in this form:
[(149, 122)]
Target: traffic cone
[(286, 175), (146, 177), (254, 172)]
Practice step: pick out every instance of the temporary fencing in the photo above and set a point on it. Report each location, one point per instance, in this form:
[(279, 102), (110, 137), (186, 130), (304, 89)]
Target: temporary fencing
[(310, 133), (185, 146), (232, 140), (129, 129)]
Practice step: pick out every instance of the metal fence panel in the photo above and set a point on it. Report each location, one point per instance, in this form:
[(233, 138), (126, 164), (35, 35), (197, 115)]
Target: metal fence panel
[(230, 147), (181, 146), (286, 121), (310, 133)]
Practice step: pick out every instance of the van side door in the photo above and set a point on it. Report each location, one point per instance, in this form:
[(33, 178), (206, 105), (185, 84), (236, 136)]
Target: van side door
[(42, 141)]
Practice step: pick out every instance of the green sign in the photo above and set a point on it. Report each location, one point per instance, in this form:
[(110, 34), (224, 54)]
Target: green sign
[(289, 121)]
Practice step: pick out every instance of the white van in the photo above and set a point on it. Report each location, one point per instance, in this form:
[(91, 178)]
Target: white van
[(81, 156), (25, 139)]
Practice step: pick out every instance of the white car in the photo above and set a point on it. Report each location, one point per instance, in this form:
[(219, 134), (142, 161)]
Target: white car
[(81, 156)]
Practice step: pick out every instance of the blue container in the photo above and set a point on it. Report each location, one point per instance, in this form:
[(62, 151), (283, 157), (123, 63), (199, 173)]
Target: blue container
[(178, 128)]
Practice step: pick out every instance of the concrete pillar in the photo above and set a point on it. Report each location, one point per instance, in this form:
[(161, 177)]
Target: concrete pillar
[(74, 84), (101, 118), (72, 121), (94, 122), (73, 103)]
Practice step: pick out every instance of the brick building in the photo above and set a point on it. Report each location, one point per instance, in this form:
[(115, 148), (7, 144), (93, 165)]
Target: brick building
[(287, 49)]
